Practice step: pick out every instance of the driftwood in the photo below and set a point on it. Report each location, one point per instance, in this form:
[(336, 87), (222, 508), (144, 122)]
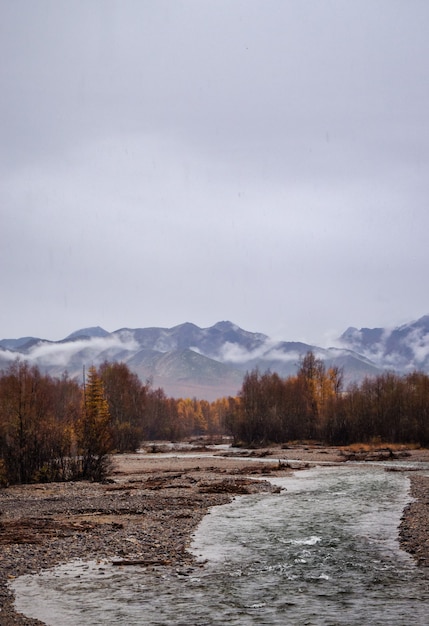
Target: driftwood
[(143, 562)]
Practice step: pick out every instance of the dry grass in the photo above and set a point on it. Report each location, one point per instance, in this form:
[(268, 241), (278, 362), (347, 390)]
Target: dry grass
[(377, 446)]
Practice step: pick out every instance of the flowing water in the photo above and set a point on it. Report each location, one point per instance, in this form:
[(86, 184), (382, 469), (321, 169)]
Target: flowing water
[(323, 552)]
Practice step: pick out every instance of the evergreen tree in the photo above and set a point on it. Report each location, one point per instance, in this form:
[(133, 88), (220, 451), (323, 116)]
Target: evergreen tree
[(94, 429)]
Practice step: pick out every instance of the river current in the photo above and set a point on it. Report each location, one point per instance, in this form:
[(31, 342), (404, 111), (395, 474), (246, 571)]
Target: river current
[(324, 551)]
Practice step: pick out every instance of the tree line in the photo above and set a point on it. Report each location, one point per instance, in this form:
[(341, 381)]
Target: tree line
[(314, 406), (59, 429)]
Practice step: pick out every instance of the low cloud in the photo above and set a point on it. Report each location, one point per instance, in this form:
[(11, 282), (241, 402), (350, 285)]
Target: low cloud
[(7, 355), (269, 350), (233, 353), (407, 353), (418, 342), (284, 357), (60, 354), (376, 352)]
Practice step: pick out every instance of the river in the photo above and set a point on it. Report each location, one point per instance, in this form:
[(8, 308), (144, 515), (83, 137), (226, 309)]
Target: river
[(324, 551)]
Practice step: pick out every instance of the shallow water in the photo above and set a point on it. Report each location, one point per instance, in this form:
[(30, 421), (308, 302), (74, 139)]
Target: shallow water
[(323, 552)]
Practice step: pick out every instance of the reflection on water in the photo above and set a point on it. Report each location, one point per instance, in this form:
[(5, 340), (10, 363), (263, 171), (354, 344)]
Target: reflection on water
[(323, 552)]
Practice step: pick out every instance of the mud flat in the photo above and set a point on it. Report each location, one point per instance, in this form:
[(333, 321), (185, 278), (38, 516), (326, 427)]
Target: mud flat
[(146, 511)]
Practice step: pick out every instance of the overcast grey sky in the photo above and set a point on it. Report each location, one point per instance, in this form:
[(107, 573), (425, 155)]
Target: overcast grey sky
[(262, 161)]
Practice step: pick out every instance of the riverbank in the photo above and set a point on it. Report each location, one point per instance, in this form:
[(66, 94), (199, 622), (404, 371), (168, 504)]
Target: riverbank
[(414, 527), (146, 512)]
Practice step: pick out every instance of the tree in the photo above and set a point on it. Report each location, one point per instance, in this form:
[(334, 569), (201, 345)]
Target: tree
[(321, 389), (162, 416), (94, 431), (127, 399), (22, 400), (312, 372), (37, 415)]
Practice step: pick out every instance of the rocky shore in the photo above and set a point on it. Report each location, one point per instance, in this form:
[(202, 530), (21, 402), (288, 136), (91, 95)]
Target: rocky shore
[(146, 512), (414, 527)]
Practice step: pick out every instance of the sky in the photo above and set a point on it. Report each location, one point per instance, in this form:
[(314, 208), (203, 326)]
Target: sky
[(258, 161)]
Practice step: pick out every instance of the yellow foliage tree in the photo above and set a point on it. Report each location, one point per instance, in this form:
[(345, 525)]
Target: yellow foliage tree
[(94, 429)]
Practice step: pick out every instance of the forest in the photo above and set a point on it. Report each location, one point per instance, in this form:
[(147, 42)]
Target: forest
[(56, 429), (314, 406)]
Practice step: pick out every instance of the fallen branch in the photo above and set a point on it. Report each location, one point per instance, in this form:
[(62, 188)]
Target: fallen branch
[(143, 562)]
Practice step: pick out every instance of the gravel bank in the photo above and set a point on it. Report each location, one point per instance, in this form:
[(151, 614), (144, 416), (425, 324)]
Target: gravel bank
[(146, 515), (148, 510), (414, 528)]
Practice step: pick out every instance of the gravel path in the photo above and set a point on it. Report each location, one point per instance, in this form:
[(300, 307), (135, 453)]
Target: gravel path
[(147, 512)]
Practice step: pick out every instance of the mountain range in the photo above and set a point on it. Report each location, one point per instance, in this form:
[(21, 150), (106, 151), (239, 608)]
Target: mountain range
[(209, 363)]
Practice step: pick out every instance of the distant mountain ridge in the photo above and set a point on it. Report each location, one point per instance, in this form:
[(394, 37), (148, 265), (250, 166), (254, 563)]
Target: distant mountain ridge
[(187, 360), (403, 349)]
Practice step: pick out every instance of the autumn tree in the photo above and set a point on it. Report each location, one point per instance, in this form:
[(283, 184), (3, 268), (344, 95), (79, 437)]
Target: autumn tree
[(415, 421), (258, 417), (94, 432), (295, 418), (22, 399), (162, 416), (227, 411), (311, 372), (321, 388), (219, 410), (57, 429), (276, 410), (193, 416), (36, 424), (127, 400)]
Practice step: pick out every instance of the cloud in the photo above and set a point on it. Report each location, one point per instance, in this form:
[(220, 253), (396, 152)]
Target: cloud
[(7, 355), (233, 353), (267, 351), (418, 342), (60, 354)]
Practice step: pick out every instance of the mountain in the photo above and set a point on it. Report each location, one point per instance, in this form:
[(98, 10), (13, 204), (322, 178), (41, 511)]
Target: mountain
[(185, 373), (86, 333), (402, 349), (17, 344), (210, 362)]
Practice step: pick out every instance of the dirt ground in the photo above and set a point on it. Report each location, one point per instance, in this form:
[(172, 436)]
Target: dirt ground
[(293, 457)]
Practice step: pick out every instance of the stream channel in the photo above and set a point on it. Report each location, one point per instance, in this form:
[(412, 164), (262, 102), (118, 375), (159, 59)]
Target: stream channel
[(324, 551)]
